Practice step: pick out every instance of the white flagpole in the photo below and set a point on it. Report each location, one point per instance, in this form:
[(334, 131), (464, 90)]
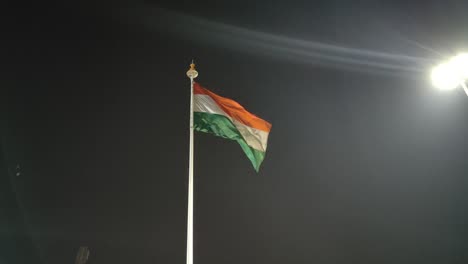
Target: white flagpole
[(192, 74)]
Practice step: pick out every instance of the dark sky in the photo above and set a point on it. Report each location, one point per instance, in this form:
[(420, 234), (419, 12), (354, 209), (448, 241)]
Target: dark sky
[(366, 161)]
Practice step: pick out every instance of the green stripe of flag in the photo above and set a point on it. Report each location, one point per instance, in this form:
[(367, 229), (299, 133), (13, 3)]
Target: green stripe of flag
[(221, 126)]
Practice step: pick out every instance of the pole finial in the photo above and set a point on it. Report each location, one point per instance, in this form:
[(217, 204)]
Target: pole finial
[(192, 73)]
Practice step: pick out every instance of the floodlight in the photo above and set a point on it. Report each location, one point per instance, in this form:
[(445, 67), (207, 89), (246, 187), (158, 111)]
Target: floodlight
[(451, 74)]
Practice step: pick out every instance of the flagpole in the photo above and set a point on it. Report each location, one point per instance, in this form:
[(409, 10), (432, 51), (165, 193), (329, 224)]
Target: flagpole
[(192, 74)]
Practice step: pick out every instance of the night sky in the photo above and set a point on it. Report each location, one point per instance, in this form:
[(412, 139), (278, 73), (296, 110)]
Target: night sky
[(366, 162)]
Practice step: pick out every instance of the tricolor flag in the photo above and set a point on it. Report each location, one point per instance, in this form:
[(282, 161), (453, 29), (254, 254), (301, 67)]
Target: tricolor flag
[(226, 118)]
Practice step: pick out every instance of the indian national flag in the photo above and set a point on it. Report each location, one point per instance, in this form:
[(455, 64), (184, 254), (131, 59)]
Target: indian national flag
[(226, 118)]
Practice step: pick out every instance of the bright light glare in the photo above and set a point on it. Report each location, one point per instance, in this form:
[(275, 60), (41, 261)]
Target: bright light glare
[(449, 75), (460, 65), (444, 78)]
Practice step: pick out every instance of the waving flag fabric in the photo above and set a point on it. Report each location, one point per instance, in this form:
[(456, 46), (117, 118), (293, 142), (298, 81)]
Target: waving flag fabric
[(226, 118)]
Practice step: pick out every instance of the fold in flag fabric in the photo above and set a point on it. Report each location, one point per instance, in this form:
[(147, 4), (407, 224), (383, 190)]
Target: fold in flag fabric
[(226, 118)]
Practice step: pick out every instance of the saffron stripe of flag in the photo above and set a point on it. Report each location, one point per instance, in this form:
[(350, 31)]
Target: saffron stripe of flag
[(226, 118)]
